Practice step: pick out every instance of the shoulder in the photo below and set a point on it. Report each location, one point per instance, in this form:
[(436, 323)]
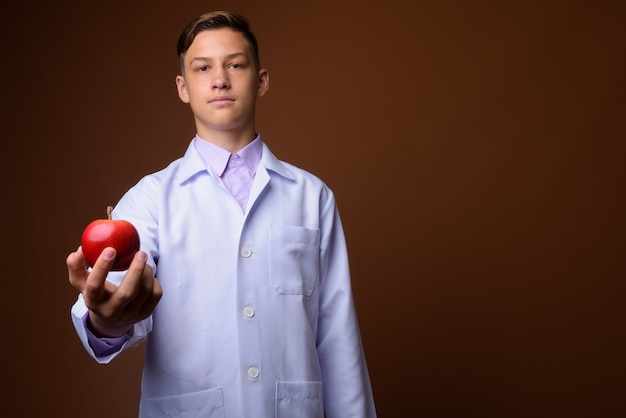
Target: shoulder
[(178, 171), (290, 171)]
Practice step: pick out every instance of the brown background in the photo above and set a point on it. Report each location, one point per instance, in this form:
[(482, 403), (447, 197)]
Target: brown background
[(476, 150)]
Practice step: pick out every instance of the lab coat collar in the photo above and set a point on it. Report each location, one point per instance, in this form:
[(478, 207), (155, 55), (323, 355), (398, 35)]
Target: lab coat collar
[(192, 163), (270, 162)]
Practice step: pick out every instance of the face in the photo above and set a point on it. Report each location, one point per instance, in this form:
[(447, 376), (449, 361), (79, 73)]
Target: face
[(221, 83)]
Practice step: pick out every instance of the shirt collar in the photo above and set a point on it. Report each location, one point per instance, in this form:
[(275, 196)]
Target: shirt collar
[(217, 157)]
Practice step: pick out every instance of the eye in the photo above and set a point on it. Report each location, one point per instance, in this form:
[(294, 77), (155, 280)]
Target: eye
[(203, 68), (236, 65)]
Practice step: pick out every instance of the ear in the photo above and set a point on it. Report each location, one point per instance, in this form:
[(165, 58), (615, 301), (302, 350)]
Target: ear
[(264, 83), (181, 86)]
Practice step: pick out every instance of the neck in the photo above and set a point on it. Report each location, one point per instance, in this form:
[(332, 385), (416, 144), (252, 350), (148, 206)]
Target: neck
[(232, 141)]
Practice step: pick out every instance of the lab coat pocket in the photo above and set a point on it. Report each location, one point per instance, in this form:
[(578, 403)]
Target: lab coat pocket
[(299, 400), (294, 259), (204, 404)]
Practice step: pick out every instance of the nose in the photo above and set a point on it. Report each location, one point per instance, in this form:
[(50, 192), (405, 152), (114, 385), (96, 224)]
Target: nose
[(221, 80)]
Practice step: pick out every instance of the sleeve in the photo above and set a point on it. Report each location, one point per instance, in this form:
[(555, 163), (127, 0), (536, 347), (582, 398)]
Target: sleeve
[(106, 349), (347, 387), (138, 206), (104, 346)]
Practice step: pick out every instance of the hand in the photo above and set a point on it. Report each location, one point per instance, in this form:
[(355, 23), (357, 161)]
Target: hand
[(113, 310)]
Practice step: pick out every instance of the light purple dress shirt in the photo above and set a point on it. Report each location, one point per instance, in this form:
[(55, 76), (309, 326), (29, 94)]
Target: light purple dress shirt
[(237, 172)]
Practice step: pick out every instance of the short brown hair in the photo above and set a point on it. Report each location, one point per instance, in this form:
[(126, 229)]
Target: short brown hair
[(217, 20)]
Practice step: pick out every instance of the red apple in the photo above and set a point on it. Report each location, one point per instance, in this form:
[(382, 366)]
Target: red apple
[(118, 234)]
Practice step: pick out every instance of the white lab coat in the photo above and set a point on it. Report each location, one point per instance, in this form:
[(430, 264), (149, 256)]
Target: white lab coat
[(257, 316)]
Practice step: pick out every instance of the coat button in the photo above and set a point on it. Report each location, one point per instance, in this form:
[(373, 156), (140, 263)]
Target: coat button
[(246, 252), (253, 372), (248, 311)]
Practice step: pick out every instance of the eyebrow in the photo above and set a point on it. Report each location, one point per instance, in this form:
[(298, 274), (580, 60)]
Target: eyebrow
[(229, 56)]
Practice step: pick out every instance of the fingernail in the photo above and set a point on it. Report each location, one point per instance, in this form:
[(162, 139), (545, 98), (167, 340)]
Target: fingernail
[(141, 255), (108, 253)]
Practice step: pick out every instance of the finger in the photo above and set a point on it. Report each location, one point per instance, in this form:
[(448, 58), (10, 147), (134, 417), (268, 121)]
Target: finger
[(77, 272), (144, 293), (93, 291), (131, 289), (147, 275), (149, 297), (151, 302)]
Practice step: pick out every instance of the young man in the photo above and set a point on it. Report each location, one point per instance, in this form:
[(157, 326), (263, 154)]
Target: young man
[(242, 286)]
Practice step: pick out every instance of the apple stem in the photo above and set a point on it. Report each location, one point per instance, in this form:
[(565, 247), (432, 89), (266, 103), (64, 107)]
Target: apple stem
[(109, 210)]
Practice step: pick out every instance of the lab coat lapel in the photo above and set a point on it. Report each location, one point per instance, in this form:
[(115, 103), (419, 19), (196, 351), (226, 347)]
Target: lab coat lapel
[(268, 163)]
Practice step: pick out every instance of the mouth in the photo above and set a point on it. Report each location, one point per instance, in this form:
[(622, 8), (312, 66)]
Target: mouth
[(221, 100)]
